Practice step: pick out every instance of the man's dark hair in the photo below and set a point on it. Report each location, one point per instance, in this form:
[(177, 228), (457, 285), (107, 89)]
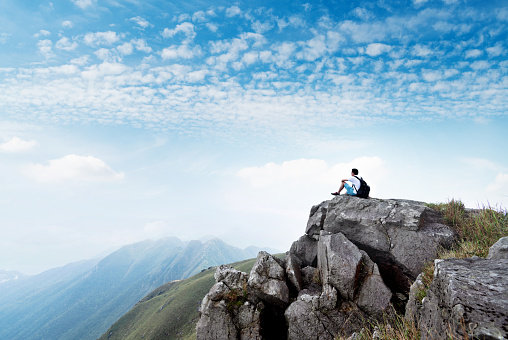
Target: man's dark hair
[(355, 171)]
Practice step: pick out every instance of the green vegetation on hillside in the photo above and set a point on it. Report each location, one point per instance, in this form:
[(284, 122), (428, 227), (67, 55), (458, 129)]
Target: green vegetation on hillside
[(170, 311)]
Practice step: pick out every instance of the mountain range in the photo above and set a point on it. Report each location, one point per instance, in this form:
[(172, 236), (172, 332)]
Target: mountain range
[(81, 300)]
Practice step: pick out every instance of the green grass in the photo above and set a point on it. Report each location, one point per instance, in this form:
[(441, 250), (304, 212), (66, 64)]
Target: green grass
[(170, 311)]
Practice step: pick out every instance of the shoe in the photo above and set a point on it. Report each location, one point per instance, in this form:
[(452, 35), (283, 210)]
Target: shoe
[(335, 193)]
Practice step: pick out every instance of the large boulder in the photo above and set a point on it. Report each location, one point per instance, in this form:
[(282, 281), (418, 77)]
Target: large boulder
[(339, 262), (267, 280), (400, 236), (468, 298), (355, 276)]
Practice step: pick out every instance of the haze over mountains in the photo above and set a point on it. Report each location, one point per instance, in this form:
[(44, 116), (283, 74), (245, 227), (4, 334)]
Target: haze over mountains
[(81, 300)]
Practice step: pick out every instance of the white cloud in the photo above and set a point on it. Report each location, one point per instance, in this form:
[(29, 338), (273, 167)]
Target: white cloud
[(312, 49), (418, 3), (250, 58), (285, 191), (66, 44), (212, 27), (16, 144), (473, 53), (496, 50), (125, 49), (199, 16), (376, 49), (421, 51), (303, 173), (187, 28), (182, 51), (261, 27), (72, 168), (141, 45), (42, 33), (233, 11), (84, 3), (480, 65), (141, 22), (45, 48), (81, 61), (363, 13), (104, 54), (431, 76), (101, 38), (67, 24), (184, 17)]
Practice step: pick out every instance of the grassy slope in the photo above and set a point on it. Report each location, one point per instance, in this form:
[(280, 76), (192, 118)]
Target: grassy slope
[(170, 311)]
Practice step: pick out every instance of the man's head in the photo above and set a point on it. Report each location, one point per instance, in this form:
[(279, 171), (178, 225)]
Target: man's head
[(354, 171)]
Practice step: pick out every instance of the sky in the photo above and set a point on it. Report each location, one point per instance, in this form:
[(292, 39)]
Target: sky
[(122, 121)]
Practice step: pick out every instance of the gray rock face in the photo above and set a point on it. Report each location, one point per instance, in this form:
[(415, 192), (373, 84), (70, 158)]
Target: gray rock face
[(355, 276), (373, 295), (414, 305), (467, 296), (316, 219), (499, 250), (268, 281), (305, 321), (215, 322), (305, 249), (293, 272), (248, 320), (399, 235), (339, 263), (232, 278)]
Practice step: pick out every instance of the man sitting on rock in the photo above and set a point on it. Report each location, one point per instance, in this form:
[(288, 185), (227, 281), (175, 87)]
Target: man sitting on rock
[(352, 189)]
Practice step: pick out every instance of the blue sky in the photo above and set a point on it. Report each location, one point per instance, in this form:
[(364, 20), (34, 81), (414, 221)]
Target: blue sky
[(127, 120)]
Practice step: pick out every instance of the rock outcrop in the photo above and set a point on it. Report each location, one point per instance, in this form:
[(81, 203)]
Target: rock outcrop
[(468, 298), (356, 260), (400, 236)]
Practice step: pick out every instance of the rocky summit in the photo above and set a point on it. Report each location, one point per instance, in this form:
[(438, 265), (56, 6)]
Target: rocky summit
[(354, 264)]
